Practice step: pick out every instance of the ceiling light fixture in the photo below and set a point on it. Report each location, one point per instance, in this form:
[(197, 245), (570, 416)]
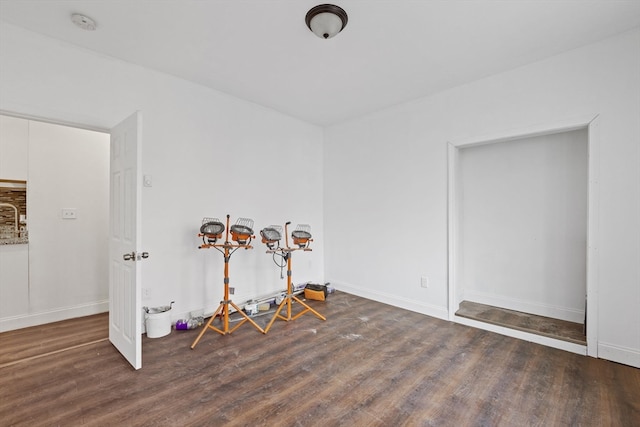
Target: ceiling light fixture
[(83, 22), (326, 20)]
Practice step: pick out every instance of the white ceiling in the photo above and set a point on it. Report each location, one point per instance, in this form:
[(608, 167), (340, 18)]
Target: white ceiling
[(389, 52)]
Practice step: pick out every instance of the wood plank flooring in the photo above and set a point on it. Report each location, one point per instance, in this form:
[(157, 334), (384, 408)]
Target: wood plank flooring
[(546, 326), (368, 364), (36, 341)]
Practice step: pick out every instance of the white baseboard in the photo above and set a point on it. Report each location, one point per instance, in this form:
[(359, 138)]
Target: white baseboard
[(394, 300), (547, 310), (619, 354), (63, 313), (538, 339)]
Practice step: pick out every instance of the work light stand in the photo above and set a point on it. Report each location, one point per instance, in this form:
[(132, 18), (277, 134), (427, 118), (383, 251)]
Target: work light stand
[(227, 249), (290, 297)]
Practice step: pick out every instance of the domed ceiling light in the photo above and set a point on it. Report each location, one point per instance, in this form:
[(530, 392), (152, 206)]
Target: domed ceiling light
[(326, 20)]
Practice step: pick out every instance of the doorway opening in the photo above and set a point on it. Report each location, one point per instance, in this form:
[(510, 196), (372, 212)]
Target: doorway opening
[(521, 234), (81, 254), (56, 268)]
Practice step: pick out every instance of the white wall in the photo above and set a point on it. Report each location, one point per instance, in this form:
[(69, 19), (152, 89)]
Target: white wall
[(14, 285), (14, 148), (209, 155), (386, 181), (523, 224), (68, 169)]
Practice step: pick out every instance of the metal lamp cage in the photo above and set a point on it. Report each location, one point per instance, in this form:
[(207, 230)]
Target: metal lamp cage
[(302, 235), (211, 229), (271, 235), (242, 230)]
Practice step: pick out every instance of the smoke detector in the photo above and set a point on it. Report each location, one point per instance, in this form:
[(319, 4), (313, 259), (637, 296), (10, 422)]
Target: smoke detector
[(83, 22)]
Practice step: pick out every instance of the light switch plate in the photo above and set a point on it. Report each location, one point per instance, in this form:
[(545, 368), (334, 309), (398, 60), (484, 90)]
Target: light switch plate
[(424, 282)]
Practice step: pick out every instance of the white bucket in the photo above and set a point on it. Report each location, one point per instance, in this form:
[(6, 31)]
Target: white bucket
[(158, 321)]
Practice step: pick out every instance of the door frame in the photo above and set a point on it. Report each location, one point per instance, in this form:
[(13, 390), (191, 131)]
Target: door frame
[(591, 124), (95, 129)]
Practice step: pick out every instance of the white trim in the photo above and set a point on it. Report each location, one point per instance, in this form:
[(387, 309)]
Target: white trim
[(625, 355), (591, 123), (514, 333), (540, 129), (394, 300), (64, 313), (452, 226), (54, 121), (547, 310), (593, 221)]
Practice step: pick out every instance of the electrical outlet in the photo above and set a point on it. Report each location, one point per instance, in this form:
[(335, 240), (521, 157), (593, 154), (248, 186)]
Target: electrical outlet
[(146, 293), (69, 213), (424, 282)]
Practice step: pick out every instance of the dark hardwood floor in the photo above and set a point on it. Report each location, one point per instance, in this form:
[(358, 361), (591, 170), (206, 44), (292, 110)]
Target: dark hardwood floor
[(37, 341), (368, 364), (540, 325)]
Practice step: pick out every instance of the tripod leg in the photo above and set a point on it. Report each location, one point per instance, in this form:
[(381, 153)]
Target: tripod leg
[(277, 313), (208, 326), (307, 308), (246, 318)]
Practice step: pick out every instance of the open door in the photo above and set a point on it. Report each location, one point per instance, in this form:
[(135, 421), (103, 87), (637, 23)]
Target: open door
[(125, 310)]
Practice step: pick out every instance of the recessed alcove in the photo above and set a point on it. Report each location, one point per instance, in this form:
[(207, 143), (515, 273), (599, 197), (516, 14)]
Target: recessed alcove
[(521, 219)]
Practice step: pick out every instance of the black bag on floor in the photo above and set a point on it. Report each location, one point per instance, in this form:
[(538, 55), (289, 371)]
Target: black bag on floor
[(315, 292)]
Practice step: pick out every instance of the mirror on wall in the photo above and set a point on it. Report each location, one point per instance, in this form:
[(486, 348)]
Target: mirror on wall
[(13, 211)]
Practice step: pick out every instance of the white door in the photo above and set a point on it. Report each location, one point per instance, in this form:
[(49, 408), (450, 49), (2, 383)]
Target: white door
[(125, 317)]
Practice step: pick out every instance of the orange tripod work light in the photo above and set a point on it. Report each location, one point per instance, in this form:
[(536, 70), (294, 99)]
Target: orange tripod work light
[(301, 236), (242, 234)]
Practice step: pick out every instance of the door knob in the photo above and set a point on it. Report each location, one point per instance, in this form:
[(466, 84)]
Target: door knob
[(129, 257), (143, 255)]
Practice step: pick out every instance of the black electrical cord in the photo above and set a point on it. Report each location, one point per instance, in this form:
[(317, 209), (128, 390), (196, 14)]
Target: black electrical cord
[(276, 262)]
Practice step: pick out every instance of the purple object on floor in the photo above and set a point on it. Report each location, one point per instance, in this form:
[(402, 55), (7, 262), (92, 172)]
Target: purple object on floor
[(182, 325)]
